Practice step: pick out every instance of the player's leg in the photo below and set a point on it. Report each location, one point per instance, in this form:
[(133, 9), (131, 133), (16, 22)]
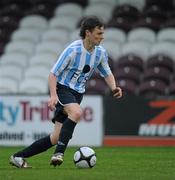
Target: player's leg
[(40, 145), (37, 147), (69, 100), (54, 136), (74, 114)]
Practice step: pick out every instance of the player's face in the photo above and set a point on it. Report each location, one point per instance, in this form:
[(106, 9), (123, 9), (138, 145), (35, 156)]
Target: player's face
[(96, 36)]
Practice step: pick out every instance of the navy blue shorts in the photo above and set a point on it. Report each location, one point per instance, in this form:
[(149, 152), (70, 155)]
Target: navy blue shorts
[(66, 95)]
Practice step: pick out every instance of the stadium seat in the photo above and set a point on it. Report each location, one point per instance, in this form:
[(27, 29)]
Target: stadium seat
[(139, 4), (166, 34), (13, 9), (138, 48), (113, 48), (126, 11), (67, 23), (26, 34), (49, 47), (160, 60), (111, 2), (58, 35), (83, 3), (152, 88), (157, 73), (101, 10), (43, 9), (128, 73), (154, 12), (14, 59), (147, 22), (8, 86), (119, 22), (43, 59), (166, 5), (131, 61), (114, 34), (74, 35), (34, 21), (37, 72), (9, 22), (48, 2), (129, 87), (20, 47), (165, 48), (169, 23), (33, 86), (69, 9), (12, 72), (96, 86), (142, 34)]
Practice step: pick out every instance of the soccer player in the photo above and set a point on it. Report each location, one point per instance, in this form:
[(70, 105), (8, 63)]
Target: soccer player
[(67, 81)]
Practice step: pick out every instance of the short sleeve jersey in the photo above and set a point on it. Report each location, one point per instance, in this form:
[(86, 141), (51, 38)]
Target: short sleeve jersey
[(75, 65)]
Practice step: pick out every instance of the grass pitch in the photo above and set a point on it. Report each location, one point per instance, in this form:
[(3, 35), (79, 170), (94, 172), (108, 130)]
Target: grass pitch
[(116, 163)]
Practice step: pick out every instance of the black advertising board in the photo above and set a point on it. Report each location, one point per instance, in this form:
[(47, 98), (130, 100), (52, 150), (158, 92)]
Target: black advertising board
[(138, 116)]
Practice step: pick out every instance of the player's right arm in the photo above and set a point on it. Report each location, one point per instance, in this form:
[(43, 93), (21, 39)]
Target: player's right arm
[(60, 65), (53, 94)]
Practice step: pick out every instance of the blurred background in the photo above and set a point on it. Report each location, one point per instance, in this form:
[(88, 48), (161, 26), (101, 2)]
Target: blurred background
[(140, 40)]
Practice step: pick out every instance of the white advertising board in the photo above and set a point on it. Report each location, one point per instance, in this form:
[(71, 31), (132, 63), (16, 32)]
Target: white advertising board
[(24, 119)]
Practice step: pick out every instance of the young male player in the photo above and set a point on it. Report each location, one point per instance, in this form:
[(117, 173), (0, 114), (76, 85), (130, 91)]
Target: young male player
[(67, 81)]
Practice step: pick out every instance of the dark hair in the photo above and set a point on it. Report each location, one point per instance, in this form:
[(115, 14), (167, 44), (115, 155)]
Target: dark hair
[(89, 23)]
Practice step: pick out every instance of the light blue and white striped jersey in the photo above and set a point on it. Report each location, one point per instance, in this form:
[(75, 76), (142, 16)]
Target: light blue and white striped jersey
[(76, 65)]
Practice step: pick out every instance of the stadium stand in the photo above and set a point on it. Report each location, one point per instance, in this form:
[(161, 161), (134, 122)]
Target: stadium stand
[(152, 88), (142, 34), (128, 73), (157, 73), (14, 59), (33, 86), (129, 87), (116, 35), (139, 36), (12, 72), (160, 60), (96, 86), (130, 60), (8, 85)]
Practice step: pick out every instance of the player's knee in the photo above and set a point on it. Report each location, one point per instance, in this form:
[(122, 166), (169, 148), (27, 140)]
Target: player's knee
[(76, 114)]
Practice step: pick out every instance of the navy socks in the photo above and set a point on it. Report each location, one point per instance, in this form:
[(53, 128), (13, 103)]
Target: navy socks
[(37, 147), (43, 144), (65, 135)]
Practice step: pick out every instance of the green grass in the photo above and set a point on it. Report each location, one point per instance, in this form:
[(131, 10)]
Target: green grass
[(117, 163)]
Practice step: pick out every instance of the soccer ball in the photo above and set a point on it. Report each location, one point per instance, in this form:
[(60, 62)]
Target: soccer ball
[(85, 157)]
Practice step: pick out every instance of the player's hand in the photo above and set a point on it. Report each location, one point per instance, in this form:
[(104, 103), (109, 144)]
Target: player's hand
[(52, 102), (117, 92)]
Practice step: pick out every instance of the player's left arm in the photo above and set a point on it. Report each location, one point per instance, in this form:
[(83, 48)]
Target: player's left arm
[(110, 80), (105, 72)]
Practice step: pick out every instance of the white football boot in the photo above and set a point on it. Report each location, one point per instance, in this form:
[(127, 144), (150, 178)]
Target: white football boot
[(19, 162), (57, 159)]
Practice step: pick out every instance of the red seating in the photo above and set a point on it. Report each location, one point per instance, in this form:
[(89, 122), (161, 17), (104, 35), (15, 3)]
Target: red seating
[(160, 60), (128, 73), (129, 87), (131, 61), (152, 88), (157, 73)]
